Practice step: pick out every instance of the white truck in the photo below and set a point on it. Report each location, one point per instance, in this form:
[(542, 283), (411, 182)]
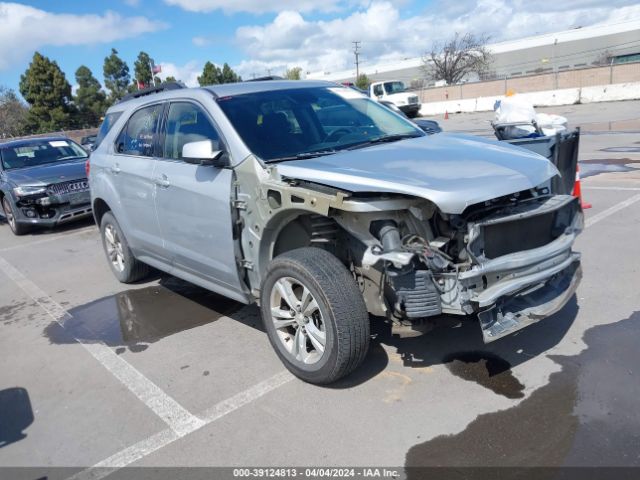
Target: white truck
[(396, 92)]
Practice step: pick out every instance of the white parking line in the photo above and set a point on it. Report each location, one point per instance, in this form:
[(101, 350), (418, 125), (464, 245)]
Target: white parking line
[(161, 439), (610, 211), (169, 410), (632, 189)]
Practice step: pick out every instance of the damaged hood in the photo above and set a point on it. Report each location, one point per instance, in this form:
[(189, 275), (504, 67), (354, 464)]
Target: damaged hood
[(452, 171), (49, 173)]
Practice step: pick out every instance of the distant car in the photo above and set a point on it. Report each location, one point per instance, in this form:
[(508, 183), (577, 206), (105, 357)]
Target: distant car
[(88, 142), (43, 182), (427, 126)]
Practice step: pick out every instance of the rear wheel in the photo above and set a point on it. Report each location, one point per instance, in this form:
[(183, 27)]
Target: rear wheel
[(16, 228), (314, 315), (121, 260)]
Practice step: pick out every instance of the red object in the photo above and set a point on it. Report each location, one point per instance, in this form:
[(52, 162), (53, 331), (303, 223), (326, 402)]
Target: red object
[(140, 84), (446, 115), (156, 69), (87, 167), (577, 191)]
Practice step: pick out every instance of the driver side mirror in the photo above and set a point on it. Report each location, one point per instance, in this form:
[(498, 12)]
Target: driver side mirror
[(204, 152)]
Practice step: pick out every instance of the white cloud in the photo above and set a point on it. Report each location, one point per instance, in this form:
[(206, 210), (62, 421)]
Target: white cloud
[(325, 45), (200, 41), (24, 29), (255, 6), (187, 73)]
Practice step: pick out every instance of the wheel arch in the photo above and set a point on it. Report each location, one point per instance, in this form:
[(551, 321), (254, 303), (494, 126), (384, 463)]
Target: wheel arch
[(100, 207)]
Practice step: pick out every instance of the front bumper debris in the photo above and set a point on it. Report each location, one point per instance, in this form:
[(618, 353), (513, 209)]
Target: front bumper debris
[(537, 301)]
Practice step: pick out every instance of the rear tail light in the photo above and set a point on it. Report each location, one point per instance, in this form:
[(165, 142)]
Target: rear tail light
[(87, 168)]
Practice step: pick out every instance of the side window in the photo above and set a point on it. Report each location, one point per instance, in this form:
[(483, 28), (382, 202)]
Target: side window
[(186, 123), (377, 90), (107, 123), (138, 137)]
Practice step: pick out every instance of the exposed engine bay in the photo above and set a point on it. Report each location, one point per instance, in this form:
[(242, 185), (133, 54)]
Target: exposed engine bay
[(507, 260)]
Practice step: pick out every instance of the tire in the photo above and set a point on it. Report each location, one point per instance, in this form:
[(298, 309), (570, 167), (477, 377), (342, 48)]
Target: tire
[(339, 313), (119, 256), (16, 227)]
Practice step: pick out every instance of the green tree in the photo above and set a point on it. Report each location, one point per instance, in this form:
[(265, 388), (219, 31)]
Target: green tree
[(293, 73), (363, 82), (142, 70), (13, 114), (228, 75), (45, 88), (116, 76), (90, 100), (170, 79), (211, 75)]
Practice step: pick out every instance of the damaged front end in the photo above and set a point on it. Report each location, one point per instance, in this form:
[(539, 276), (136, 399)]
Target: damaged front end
[(55, 203), (508, 260), (523, 267)]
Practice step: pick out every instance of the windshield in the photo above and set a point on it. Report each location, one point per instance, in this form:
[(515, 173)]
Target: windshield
[(284, 124), (41, 152), (394, 87)]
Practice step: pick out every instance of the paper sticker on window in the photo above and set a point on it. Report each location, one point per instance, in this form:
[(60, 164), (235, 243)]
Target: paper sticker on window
[(347, 93), (59, 143)]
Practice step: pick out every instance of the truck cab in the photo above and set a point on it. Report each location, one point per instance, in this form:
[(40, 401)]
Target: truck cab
[(395, 91)]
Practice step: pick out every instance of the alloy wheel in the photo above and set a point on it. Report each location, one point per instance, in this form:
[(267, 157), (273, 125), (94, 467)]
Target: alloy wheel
[(114, 247), (8, 213), (298, 320)]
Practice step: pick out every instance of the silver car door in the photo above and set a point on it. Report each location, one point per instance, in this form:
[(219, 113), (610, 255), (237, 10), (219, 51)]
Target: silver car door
[(132, 172), (193, 202)]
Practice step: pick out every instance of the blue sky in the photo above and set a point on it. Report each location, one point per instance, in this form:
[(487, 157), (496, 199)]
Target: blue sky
[(256, 36)]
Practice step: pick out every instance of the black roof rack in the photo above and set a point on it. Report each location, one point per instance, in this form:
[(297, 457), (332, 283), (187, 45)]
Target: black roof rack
[(261, 79), (156, 89)]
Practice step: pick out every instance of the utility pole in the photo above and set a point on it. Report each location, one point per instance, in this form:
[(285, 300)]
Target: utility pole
[(356, 52)]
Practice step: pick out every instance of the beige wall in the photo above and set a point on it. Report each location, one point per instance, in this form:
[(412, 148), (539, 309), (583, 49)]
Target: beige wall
[(586, 77)]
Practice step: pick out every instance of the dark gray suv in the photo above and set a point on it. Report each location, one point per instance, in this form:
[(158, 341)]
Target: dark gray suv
[(43, 182), (323, 206)]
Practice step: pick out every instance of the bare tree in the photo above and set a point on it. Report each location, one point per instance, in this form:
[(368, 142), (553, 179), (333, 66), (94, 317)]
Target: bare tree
[(603, 60), (454, 59), (13, 113)]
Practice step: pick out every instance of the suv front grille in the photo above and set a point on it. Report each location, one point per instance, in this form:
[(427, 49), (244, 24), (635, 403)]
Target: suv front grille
[(413, 100), (73, 186)]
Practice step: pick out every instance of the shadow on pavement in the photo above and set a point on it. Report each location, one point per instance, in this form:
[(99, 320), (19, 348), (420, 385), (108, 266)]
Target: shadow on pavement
[(15, 415)]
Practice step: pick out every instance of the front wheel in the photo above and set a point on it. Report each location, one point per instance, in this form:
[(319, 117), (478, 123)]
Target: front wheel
[(314, 315), (16, 227)]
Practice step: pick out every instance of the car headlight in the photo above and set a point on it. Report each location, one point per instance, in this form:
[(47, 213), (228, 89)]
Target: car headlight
[(23, 190)]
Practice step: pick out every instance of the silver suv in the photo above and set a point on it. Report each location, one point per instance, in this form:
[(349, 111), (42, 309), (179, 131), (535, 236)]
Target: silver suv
[(322, 207)]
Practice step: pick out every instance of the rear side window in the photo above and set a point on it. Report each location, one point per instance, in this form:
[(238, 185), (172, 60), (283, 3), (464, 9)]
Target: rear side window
[(107, 123), (139, 135)]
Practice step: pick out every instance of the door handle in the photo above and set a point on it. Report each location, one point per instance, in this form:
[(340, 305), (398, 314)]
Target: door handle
[(115, 169), (162, 181)]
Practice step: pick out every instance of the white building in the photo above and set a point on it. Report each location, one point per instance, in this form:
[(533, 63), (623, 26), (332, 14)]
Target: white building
[(569, 49)]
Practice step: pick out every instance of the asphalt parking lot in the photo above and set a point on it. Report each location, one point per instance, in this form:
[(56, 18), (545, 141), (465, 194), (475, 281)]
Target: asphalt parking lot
[(97, 376)]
